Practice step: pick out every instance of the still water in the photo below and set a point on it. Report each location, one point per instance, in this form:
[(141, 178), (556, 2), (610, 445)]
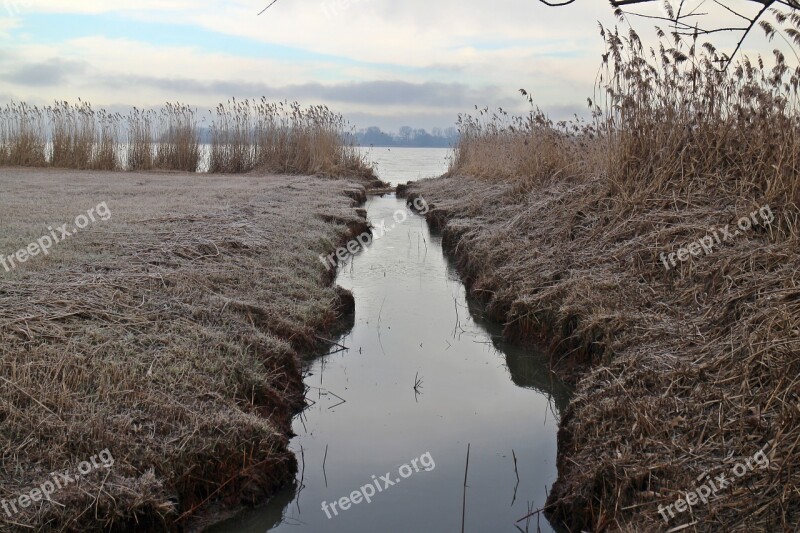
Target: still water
[(401, 165), (422, 377)]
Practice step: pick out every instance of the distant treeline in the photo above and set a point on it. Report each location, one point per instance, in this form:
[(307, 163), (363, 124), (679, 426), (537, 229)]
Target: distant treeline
[(406, 136), (374, 136)]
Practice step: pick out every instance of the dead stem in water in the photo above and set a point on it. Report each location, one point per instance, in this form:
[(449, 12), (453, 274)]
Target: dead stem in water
[(560, 227)]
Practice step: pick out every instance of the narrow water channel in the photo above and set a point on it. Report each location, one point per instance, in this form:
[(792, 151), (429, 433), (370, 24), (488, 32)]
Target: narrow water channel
[(414, 325)]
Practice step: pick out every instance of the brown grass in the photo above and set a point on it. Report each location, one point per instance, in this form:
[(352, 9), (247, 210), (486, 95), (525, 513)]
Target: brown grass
[(283, 138), (140, 145), (179, 141), (82, 138), (22, 136), (169, 334), (279, 138), (680, 372)]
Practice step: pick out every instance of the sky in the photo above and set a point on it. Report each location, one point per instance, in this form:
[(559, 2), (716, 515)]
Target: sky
[(385, 63)]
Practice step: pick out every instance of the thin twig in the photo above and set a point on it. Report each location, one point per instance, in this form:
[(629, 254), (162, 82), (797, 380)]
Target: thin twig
[(31, 397), (269, 6), (464, 502), (323, 466), (329, 341)]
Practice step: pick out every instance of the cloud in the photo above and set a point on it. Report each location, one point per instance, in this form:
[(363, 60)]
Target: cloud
[(369, 93), (45, 74), (379, 62)]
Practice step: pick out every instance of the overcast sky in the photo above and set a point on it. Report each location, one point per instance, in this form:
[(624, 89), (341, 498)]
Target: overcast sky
[(380, 62)]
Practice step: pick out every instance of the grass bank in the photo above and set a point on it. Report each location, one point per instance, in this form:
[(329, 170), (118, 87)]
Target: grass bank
[(166, 332), (686, 366)]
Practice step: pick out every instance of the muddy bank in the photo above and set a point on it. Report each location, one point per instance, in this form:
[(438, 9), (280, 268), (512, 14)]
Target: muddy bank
[(167, 331), (683, 374)]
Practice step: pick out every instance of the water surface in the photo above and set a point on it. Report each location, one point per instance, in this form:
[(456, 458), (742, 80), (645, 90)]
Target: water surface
[(414, 325), (401, 165)]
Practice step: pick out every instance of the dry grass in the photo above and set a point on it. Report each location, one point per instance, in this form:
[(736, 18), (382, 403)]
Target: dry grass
[(680, 372), (178, 145), (82, 138), (280, 138), (140, 146), (169, 334), (22, 138)]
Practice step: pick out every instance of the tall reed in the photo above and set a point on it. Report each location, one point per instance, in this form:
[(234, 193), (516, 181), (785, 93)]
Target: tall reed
[(107, 147), (282, 138), (140, 149), (663, 118), (22, 136), (233, 148), (245, 135), (671, 116), (74, 134), (179, 139)]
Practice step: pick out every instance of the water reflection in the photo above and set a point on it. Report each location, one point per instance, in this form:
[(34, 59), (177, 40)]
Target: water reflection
[(413, 324)]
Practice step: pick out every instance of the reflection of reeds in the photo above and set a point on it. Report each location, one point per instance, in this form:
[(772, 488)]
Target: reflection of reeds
[(245, 135), (561, 231)]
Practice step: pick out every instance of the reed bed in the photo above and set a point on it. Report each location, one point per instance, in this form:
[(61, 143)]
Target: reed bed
[(680, 373), (140, 147), (663, 118), (245, 136), (22, 136), (282, 138), (178, 141), (82, 138)]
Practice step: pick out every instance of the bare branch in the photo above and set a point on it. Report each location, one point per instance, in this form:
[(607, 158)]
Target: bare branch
[(767, 4), (720, 4), (682, 26), (273, 1)]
